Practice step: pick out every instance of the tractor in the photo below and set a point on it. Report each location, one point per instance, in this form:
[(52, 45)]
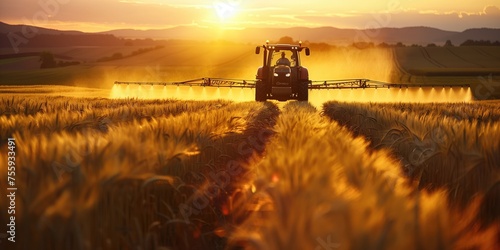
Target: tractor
[(282, 77)]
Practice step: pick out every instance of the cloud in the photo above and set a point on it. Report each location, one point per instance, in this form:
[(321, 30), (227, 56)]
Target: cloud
[(264, 9), (160, 14), (492, 10), (435, 12), (453, 21), (291, 17)]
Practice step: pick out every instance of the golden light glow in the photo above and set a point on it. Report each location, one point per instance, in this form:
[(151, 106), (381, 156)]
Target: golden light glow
[(376, 64), (226, 10), (316, 97), (109, 15)]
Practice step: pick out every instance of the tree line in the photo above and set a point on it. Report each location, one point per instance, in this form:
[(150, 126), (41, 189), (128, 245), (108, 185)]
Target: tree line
[(364, 45), (448, 43), (48, 61)]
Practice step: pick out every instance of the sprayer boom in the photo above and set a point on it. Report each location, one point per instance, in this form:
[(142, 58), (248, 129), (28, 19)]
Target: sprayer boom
[(203, 82), (282, 77), (319, 84)]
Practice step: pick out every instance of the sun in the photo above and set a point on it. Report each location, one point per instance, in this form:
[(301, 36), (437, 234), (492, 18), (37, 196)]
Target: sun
[(226, 10)]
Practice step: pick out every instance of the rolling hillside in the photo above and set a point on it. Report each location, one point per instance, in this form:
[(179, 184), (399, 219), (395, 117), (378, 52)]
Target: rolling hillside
[(448, 61), (408, 35)]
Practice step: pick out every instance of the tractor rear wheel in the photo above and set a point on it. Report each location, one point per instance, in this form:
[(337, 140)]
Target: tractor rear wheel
[(303, 93), (260, 92)]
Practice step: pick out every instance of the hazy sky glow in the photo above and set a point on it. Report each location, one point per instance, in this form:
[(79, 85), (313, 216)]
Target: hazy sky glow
[(100, 15)]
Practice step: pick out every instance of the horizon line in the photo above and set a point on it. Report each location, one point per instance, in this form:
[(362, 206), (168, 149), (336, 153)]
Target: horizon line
[(240, 28)]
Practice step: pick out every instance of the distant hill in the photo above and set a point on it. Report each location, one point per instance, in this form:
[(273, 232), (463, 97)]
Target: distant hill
[(25, 36), (18, 28), (410, 35), (477, 34), (29, 36)]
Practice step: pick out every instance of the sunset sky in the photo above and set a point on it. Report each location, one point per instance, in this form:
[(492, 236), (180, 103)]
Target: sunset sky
[(101, 15)]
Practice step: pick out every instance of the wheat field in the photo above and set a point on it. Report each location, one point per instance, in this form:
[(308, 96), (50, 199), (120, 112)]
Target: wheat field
[(96, 173)]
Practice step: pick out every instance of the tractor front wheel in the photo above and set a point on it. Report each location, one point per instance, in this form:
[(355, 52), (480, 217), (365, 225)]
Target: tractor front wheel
[(303, 93), (260, 92)]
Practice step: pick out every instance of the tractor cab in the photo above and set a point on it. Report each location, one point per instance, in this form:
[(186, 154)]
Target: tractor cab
[(282, 77)]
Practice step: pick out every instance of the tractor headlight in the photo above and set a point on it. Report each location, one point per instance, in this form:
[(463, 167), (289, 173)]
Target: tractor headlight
[(275, 74), (287, 75)]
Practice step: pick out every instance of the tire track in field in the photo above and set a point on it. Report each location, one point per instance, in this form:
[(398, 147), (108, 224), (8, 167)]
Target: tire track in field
[(485, 53), (319, 185), (398, 65), (242, 150), (198, 208), (463, 59), (428, 57), (400, 72)]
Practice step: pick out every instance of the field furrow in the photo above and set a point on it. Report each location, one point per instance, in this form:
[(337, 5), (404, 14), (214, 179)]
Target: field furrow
[(475, 55), (319, 187), (428, 57)]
